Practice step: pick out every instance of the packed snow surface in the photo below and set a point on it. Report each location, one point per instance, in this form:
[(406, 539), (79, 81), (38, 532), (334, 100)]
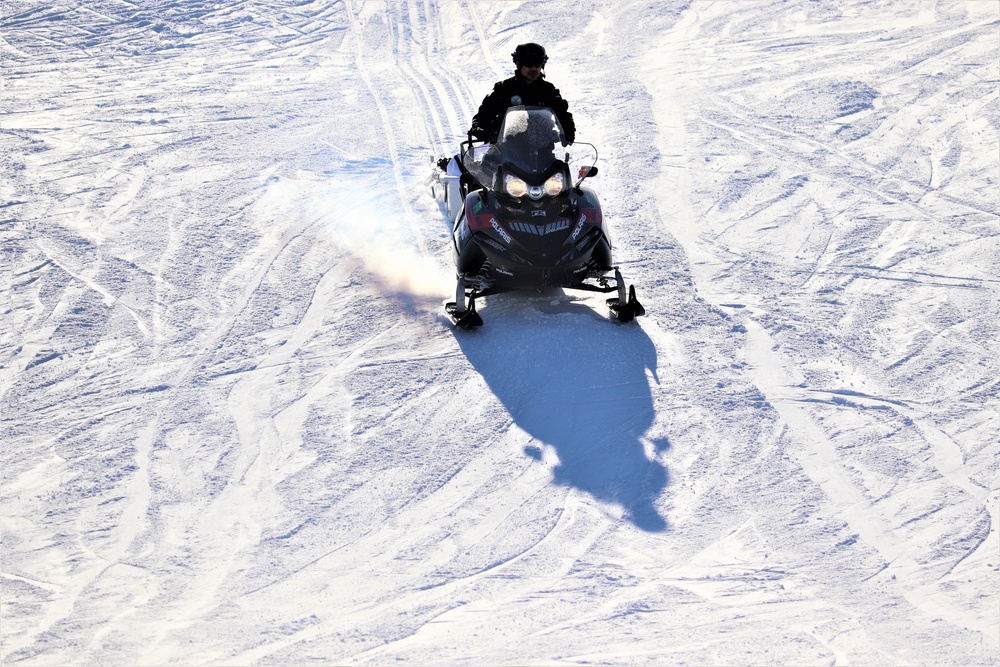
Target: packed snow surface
[(237, 427)]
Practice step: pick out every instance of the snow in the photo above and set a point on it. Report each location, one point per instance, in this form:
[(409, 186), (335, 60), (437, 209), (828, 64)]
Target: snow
[(238, 428)]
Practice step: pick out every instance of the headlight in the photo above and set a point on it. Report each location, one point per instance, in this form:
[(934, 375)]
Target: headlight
[(554, 185), (514, 186)]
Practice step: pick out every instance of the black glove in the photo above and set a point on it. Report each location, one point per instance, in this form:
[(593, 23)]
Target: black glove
[(570, 136), (478, 132)]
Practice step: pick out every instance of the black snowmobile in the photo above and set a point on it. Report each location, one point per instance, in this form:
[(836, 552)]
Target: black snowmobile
[(521, 222)]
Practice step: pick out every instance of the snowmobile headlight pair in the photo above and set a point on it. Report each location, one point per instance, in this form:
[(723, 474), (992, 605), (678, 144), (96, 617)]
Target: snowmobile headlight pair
[(516, 187)]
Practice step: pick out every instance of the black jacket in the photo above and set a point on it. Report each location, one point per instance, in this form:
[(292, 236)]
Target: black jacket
[(516, 91)]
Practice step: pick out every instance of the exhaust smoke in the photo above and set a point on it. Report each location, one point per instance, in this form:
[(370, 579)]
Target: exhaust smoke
[(371, 224)]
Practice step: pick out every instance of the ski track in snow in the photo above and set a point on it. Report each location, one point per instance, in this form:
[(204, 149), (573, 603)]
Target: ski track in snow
[(238, 428)]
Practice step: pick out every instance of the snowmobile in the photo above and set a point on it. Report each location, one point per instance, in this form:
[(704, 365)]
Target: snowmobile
[(519, 221)]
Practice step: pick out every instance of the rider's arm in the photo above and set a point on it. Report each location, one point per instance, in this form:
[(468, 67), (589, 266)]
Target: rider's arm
[(486, 123), (561, 107)]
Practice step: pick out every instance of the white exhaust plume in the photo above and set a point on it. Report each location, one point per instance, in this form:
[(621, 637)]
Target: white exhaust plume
[(371, 225)]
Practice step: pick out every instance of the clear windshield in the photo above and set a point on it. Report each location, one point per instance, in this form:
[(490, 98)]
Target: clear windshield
[(531, 139)]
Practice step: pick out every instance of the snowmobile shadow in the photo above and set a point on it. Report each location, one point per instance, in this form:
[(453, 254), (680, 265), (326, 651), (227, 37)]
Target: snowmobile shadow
[(576, 382)]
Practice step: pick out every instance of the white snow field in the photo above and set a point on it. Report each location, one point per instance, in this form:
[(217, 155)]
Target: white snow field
[(237, 427)]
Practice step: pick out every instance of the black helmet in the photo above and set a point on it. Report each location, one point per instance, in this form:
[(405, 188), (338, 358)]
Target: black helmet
[(530, 54)]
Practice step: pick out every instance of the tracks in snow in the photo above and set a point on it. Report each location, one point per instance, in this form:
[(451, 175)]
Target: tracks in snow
[(890, 212)]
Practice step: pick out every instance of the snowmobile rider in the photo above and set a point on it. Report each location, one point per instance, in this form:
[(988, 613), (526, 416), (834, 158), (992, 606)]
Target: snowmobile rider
[(527, 87)]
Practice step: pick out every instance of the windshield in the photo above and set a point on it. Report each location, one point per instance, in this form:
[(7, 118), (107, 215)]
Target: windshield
[(531, 140)]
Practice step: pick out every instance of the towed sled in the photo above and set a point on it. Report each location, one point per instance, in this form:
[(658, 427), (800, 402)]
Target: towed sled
[(520, 221)]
